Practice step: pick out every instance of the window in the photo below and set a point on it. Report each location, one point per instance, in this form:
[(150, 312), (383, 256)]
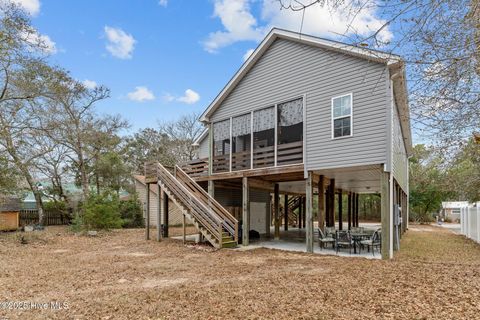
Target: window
[(241, 142), (342, 116), (221, 146), (264, 138), (290, 132)]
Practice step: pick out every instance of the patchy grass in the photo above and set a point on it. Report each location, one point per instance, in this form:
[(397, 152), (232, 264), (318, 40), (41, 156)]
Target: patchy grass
[(119, 275), (436, 244)]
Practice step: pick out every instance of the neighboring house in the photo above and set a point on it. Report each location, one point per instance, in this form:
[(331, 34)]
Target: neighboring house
[(175, 215), (302, 116), (451, 209)]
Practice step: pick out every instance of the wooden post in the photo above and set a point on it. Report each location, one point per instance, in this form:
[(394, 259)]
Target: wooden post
[(349, 211), (159, 213), (321, 203), (300, 208), (340, 209), (210, 149), (211, 188), (165, 214), (356, 209), (147, 214), (184, 230), (245, 212), (285, 212), (309, 212), (332, 203), (353, 209), (268, 217), (327, 207), (304, 212), (385, 215), (276, 208)]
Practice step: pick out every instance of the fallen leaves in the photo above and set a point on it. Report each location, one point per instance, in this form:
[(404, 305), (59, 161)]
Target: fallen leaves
[(121, 276)]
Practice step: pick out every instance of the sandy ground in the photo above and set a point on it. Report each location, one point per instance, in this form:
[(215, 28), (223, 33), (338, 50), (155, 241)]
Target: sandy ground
[(119, 275)]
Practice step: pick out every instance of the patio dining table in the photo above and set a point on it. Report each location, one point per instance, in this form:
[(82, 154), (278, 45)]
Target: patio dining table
[(357, 237)]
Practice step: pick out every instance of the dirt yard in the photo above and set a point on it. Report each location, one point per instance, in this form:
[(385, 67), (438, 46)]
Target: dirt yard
[(119, 275)]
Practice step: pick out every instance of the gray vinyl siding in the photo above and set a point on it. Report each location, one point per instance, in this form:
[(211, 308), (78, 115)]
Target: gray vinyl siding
[(175, 216), (233, 197), (289, 69), (229, 197), (203, 148), (399, 153)]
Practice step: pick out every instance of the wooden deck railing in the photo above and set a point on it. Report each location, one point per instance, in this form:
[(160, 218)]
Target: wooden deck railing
[(241, 160), (288, 153), (196, 168), (221, 163)]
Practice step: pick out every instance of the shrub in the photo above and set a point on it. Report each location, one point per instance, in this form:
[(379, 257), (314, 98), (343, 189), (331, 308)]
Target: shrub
[(102, 212), (421, 217), (131, 213), (60, 206), (77, 224)]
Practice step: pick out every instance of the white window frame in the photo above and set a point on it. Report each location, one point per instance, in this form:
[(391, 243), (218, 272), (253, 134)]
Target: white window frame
[(335, 118)]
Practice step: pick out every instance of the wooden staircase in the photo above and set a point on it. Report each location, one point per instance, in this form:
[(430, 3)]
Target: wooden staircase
[(293, 204), (215, 223)]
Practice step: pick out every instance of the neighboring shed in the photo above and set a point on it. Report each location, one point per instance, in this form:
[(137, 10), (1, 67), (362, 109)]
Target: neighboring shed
[(9, 213)]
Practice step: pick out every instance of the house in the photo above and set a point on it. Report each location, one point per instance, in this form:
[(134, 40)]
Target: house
[(303, 117), (175, 216), (451, 209)]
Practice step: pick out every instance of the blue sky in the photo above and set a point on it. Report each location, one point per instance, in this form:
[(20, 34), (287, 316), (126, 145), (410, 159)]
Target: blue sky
[(165, 58)]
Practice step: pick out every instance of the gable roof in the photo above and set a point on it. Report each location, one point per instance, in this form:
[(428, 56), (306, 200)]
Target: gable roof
[(394, 62), (200, 138)]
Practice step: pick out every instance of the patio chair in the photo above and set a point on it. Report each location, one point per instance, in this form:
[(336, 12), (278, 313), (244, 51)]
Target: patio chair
[(343, 239), (330, 232), (322, 239), (374, 241)]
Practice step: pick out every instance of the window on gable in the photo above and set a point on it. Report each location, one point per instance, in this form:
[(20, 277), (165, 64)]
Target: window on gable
[(342, 116)]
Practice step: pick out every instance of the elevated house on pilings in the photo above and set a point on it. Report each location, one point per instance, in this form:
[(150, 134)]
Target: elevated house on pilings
[(304, 120)]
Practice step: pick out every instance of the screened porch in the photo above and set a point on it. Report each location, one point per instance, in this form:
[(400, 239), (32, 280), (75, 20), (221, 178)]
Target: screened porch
[(263, 138)]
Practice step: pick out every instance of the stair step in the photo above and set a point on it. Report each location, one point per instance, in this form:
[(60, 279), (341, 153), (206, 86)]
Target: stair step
[(229, 244)]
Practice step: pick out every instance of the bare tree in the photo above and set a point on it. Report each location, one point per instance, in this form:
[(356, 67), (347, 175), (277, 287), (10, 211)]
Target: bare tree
[(440, 41), (22, 74), (183, 133), (72, 119)]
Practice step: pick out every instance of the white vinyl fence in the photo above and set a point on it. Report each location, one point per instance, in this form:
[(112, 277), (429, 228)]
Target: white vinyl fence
[(470, 222)]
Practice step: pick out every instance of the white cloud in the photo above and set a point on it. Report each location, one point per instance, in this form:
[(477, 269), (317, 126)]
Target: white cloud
[(248, 54), (241, 25), (89, 84), (168, 97), (324, 21), (238, 21), (190, 97), (120, 44), (40, 42), (163, 3), (31, 6), (141, 94)]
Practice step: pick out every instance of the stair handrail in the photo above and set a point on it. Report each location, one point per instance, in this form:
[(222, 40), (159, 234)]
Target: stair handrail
[(229, 221), (210, 221)]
